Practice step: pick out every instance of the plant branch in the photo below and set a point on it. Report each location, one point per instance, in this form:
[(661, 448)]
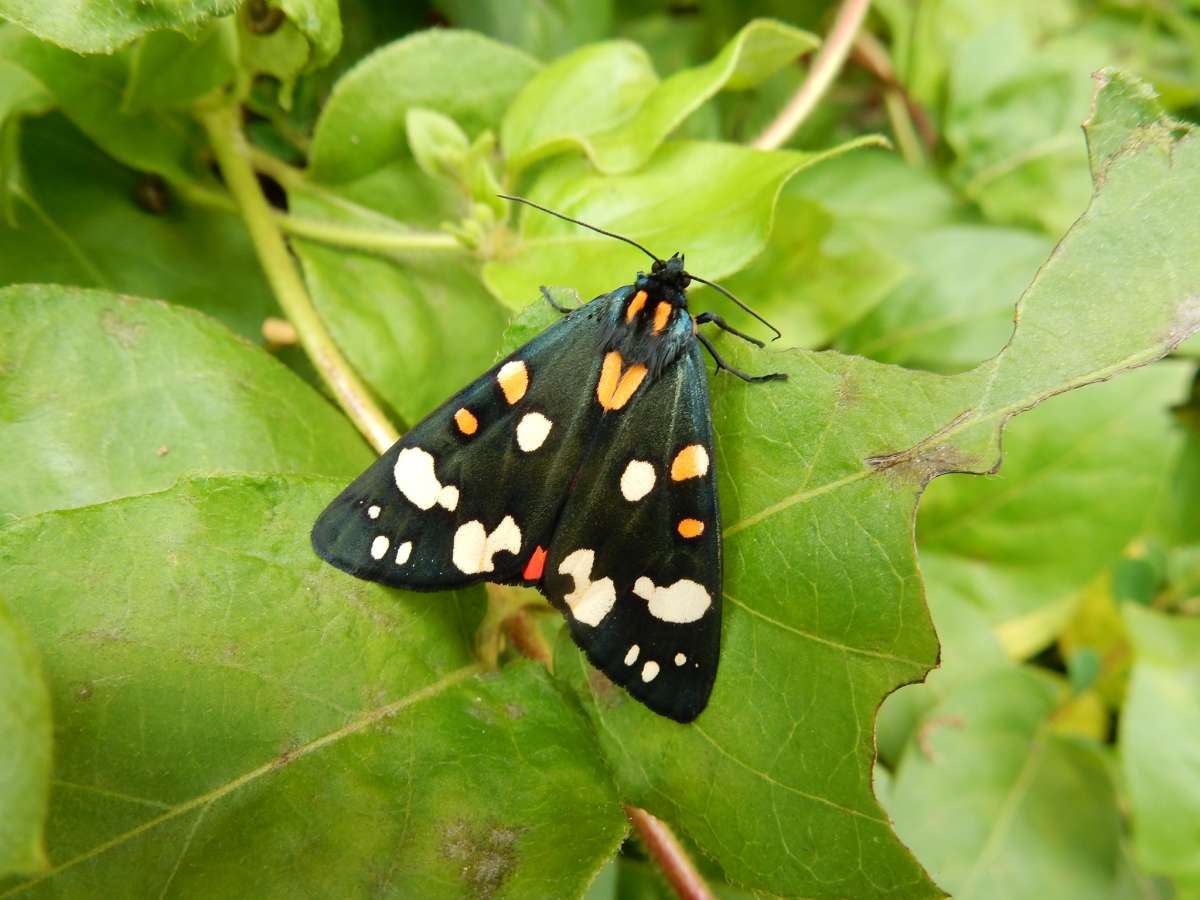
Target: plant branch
[(385, 241), (233, 155), (907, 117), (664, 847), (824, 70), (382, 240)]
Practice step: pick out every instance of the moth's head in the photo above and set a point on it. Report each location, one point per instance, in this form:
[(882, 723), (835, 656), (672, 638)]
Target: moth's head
[(668, 280)]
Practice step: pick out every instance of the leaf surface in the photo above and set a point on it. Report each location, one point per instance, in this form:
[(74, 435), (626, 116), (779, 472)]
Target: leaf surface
[(86, 220), (980, 800), (1080, 477), (104, 396), (261, 712), (465, 76), (25, 751), (102, 28), (1160, 747), (607, 101)]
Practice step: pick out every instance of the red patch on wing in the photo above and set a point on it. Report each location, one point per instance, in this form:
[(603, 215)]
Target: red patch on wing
[(537, 562)]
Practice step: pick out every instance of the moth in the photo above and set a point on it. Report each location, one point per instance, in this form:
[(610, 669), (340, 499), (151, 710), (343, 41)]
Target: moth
[(582, 465)]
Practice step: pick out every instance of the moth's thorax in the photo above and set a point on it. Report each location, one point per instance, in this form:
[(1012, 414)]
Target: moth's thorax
[(650, 323)]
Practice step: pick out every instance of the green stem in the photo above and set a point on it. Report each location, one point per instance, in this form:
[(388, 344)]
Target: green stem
[(233, 156), (372, 240), (824, 70), (364, 238)]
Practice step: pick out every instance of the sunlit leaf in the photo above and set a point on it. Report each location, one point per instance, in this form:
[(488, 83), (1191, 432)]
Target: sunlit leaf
[(104, 396), (24, 752), (260, 712)]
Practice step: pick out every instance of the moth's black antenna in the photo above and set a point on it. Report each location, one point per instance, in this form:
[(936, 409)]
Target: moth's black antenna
[(719, 289), (619, 237)]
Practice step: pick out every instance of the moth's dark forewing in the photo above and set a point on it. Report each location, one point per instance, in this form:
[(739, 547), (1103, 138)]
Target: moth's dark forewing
[(635, 539), (372, 530)]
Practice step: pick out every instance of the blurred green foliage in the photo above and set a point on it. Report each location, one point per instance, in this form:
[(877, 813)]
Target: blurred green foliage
[(231, 718)]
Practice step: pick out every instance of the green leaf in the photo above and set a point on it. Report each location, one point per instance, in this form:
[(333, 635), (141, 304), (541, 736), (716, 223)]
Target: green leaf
[(817, 276), (954, 310), (545, 30), (1160, 742), (438, 145), (86, 220), (418, 329), (320, 23), (261, 712), (998, 805), (24, 752), (170, 70), (607, 101), (1080, 478), (20, 95), (103, 396), (1123, 107), (103, 28), (90, 92), (670, 204), (824, 612), (465, 76)]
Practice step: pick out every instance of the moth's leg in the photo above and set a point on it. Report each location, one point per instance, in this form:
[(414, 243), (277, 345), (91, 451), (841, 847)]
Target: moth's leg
[(549, 299), (705, 317), (721, 364)]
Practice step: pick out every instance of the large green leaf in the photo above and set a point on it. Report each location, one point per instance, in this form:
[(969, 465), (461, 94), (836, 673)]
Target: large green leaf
[(90, 91), (824, 613), (169, 69), (543, 29), (466, 76), (1080, 479), (998, 805), (818, 274), (103, 396), (103, 27), (83, 219), (1160, 743), (954, 310), (229, 706), (714, 202), (606, 100), (24, 752)]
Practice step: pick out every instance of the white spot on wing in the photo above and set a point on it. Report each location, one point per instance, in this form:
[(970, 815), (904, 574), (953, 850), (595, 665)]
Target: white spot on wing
[(680, 659), (649, 671), (373, 511), (403, 552), (684, 601), (532, 431), (632, 655), (591, 600), (474, 547), (415, 477), (418, 482), (637, 480), (379, 546)]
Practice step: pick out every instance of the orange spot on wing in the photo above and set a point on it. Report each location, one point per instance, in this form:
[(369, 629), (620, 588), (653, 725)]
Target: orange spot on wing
[(610, 375), (514, 380), (537, 562), (690, 462), (690, 528), (635, 306), (614, 388), (662, 313), (466, 421)]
